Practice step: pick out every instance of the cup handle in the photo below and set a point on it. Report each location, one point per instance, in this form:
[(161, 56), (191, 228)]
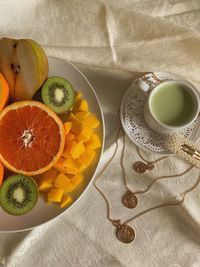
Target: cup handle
[(147, 83)]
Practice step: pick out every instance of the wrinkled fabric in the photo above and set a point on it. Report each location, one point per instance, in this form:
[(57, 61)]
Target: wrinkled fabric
[(113, 42)]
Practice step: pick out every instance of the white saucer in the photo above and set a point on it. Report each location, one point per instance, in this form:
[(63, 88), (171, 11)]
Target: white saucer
[(132, 119)]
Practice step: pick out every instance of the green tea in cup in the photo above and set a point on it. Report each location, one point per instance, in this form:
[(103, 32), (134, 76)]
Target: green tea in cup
[(170, 105), (173, 104)]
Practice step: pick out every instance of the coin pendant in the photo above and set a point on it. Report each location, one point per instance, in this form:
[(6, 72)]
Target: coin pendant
[(140, 167), (130, 200), (150, 166), (125, 233)]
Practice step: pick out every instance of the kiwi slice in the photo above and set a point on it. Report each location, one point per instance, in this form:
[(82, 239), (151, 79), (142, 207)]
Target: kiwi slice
[(18, 194), (58, 94)]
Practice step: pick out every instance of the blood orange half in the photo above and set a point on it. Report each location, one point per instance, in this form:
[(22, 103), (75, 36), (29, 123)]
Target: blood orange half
[(31, 137)]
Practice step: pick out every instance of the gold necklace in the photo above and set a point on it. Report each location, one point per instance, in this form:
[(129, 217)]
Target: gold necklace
[(124, 232), (130, 200)]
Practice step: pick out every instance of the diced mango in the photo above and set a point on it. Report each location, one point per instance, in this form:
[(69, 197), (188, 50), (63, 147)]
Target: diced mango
[(81, 115), (43, 186), (94, 142), (85, 134), (67, 126), (77, 126), (72, 117), (69, 187), (66, 153), (55, 195), (77, 150), (87, 157), (79, 165), (59, 166), (48, 177), (74, 149), (68, 149), (91, 121), (70, 165), (69, 137), (82, 105), (78, 96), (77, 179), (71, 171), (66, 200), (61, 181)]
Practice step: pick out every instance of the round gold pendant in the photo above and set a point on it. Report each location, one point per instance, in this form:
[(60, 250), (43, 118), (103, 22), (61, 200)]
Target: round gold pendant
[(125, 233), (141, 167), (130, 200)]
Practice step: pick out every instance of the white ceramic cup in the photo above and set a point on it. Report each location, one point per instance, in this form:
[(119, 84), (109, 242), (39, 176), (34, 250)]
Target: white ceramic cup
[(150, 88)]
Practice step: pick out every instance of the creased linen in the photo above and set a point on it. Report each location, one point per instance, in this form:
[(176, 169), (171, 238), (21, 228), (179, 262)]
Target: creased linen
[(113, 42)]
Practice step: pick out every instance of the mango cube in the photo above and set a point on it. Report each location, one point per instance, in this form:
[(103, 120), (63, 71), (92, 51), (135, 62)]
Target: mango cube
[(94, 142), (85, 134), (77, 126), (48, 177), (67, 126), (70, 165), (87, 157), (91, 121), (69, 187), (82, 105), (68, 149), (69, 137), (77, 150), (79, 165), (81, 115), (78, 96), (71, 171), (43, 186), (61, 181), (55, 195), (66, 200), (59, 166), (77, 179)]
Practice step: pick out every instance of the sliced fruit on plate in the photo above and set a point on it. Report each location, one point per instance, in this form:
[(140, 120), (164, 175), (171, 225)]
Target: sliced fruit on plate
[(24, 65), (58, 94), (18, 194), (1, 173), (4, 92), (66, 200), (55, 195), (32, 137)]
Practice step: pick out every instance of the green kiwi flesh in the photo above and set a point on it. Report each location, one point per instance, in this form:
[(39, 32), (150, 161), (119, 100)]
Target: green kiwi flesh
[(58, 94), (18, 194)]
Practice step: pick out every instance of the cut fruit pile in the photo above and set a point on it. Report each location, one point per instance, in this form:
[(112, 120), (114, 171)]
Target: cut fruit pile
[(41, 151), (81, 143)]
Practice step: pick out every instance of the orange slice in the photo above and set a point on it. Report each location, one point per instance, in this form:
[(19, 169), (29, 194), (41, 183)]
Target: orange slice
[(4, 92), (32, 137)]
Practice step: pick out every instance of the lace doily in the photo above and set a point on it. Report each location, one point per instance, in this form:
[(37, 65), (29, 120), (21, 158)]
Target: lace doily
[(133, 120)]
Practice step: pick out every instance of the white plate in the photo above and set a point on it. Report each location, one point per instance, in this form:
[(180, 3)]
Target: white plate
[(43, 212), (132, 119)]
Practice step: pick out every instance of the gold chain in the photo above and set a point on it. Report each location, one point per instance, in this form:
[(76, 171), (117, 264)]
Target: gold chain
[(102, 171), (155, 179), (117, 223)]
